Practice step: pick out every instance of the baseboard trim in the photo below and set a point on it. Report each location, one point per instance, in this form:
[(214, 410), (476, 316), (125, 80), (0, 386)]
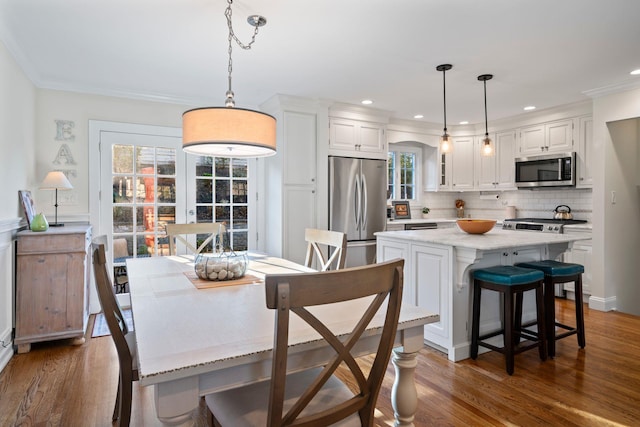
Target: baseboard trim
[(602, 304)]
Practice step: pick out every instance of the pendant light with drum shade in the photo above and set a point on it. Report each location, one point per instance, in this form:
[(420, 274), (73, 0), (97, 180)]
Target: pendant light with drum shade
[(228, 131), (445, 140), (487, 146)]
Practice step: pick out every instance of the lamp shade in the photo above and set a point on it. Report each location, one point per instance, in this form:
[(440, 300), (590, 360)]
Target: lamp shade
[(55, 180), (228, 132)]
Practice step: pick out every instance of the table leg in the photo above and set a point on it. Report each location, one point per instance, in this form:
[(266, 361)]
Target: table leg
[(175, 400), (404, 397)]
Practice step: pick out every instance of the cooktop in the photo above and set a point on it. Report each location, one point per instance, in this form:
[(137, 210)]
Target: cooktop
[(545, 225)]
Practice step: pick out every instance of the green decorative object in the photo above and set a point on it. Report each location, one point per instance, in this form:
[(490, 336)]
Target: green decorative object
[(39, 223)]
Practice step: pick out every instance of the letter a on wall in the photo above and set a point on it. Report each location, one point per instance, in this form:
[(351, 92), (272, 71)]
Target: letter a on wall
[(64, 156)]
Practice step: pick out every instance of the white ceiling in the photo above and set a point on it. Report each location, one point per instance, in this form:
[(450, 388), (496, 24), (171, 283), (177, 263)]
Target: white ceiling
[(541, 52)]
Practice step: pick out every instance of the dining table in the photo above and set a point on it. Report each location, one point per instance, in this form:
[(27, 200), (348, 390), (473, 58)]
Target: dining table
[(194, 340)]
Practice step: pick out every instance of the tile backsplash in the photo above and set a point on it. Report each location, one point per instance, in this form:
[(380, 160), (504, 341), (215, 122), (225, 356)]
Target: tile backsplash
[(492, 205)]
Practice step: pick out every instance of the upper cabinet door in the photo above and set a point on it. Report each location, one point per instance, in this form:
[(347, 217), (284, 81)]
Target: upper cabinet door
[(585, 152), (505, 144), (532, 140), (354, 138), (552, 137), (559, 136), (462, 163)]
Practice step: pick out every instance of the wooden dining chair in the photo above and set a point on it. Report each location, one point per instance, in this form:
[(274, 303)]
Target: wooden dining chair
[(123, 338), (317, 396), (318, 241), (179, 232)]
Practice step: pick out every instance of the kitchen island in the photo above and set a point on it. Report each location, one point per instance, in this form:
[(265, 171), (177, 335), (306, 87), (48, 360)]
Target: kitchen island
[(437, 275)]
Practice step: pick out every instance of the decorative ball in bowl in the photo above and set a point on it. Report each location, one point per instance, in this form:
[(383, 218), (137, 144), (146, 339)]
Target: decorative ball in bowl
[(476, 226), (221, 266)]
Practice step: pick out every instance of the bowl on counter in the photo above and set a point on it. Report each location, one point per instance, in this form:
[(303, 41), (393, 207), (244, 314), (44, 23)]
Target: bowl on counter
[(476, 226)]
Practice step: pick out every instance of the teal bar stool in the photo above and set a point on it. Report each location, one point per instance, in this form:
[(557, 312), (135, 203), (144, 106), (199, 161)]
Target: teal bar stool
[(511, 282), (560, 272)]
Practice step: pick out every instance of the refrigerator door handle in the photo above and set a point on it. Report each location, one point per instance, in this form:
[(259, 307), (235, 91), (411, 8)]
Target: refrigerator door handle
[(357, 203), (364, 216)]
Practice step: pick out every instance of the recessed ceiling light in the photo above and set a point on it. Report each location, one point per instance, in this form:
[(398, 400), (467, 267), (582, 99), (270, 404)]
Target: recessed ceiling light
[(418, 116), (366, 102), (529, 107), (635, 72), (464, 122)]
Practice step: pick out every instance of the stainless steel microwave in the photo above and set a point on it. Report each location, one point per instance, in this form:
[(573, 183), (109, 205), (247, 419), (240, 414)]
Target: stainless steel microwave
[(549, 170)]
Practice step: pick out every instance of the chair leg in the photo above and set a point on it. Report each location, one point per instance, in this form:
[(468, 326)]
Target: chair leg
[(542, 336), (579, 312), (508, 331), (116, 409), (125, 401), (475, 321)]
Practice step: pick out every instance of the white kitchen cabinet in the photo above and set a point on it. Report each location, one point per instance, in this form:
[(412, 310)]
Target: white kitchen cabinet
[(585, 152), (497, 172), (462, 163), (293, 183), (581, 253), (551, 137), (430, 278), (354, 138)]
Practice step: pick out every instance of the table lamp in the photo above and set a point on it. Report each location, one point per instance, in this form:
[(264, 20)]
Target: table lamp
[(56, 180)]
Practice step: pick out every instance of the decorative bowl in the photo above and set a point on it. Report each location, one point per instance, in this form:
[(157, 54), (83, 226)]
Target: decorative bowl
[(476, 226), (221, 266)]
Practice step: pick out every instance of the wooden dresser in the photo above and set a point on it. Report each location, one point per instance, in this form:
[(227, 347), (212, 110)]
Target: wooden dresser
[(52, 285)]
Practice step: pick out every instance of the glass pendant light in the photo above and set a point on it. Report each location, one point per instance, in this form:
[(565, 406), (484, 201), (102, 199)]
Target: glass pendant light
[(228, 131), (445, 140), (487, 145)]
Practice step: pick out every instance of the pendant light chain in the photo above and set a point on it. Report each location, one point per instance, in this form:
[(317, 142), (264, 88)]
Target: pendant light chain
[(257, 22)]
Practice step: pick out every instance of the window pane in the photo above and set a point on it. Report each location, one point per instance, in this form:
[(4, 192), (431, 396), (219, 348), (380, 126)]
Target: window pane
[(122, 219), (239, 168), (223, 214), (166, 160), (240, 217), (166, 190), (145, 159), (204, 166), (122, 158), (240, 241), (239, 191), (222, 167), (222, 191), (122, 189), (204, 214), (204, 191)]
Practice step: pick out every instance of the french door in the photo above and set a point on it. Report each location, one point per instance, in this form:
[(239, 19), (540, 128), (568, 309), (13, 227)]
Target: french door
[(147, 181)]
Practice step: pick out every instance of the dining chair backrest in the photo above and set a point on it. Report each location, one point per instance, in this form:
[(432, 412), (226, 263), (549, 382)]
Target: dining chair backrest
[(318, 241), (295, 293), (179, 232), (120, 333)]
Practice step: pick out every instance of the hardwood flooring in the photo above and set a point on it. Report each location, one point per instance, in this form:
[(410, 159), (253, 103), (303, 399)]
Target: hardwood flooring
[(61, 385)]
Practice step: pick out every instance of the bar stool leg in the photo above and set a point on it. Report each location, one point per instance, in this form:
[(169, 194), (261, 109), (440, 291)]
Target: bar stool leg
[(475, 322), (579, 312), (550, 315), (542, 320), (508, 331)]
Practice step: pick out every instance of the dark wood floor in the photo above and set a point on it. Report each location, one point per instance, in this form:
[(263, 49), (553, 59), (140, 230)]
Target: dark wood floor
[(62, 385)]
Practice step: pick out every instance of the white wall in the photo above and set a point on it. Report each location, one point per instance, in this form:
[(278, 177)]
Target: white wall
[(79, 108), (616, 238), (17, 115)]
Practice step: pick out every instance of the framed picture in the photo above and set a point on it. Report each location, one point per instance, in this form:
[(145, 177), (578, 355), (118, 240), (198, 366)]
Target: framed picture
[(401, 210), (27, 205)]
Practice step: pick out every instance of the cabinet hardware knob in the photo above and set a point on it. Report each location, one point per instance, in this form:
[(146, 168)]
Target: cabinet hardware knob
[(505, 253), (515, 252)]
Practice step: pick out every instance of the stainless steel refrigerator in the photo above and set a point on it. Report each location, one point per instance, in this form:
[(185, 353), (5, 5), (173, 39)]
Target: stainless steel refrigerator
[(357, 204)]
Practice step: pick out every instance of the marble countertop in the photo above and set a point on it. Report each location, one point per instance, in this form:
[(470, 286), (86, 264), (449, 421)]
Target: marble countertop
[(492, 240)]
